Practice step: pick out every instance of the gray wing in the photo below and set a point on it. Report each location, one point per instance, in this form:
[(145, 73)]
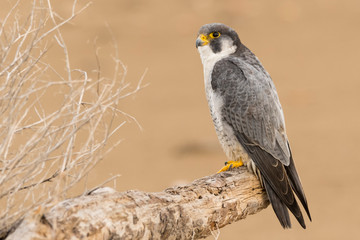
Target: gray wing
[(252, 108)]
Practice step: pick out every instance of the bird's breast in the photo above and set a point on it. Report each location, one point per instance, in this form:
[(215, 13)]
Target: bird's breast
[(224, 131)]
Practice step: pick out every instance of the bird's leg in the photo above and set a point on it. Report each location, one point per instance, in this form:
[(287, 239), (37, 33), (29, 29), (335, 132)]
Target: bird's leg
[(231, 164)]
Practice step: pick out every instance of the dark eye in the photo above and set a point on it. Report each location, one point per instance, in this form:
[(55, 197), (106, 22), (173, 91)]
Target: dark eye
[(214, 34)]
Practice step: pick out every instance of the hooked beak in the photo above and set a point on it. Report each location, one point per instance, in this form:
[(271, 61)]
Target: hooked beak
[(202, 40)]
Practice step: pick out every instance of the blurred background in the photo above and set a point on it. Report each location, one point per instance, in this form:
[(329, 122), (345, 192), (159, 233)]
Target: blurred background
[(311, 50)]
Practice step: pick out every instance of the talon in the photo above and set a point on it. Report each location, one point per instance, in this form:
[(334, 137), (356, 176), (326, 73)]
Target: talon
[(231, 164)]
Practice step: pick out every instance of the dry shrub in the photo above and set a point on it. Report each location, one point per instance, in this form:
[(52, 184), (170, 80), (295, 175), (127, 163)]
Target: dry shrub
[(48, 147)]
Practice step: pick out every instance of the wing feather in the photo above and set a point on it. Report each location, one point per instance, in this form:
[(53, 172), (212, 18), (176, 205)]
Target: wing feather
[(252, 108)]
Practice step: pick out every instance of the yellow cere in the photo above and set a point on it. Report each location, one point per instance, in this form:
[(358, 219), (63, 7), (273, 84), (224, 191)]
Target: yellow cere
[(204, 39)]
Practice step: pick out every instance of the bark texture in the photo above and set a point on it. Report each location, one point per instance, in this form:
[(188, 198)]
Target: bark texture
[(183, 212)]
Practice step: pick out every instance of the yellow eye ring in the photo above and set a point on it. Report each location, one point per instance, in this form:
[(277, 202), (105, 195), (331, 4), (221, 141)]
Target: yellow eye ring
[(214, 34)]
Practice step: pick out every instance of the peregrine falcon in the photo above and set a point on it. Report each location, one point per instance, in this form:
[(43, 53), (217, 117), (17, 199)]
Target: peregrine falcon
[(248, 118)]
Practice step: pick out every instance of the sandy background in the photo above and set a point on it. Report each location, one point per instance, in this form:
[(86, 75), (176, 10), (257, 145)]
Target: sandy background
[(311, 50)]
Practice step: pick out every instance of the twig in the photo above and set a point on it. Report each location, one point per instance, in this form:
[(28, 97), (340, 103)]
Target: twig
[(49, 179)]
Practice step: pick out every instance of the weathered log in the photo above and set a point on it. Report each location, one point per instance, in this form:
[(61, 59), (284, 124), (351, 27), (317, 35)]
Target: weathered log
[(183, 212)]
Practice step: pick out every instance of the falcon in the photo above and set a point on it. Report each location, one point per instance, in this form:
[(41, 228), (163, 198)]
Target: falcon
[(248, 118)]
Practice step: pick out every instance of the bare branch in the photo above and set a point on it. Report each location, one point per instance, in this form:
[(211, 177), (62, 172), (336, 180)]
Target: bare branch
[(193, 211)]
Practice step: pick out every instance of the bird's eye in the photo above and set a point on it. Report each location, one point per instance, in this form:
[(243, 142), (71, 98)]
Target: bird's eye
[(214, 34)]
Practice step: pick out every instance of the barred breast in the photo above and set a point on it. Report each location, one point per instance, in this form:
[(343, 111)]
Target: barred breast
[(224, 131)]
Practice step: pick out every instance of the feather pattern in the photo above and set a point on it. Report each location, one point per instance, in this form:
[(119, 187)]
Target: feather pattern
[(252, 108)]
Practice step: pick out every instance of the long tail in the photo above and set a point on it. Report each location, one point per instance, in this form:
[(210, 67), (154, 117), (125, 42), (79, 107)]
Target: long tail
[(281, 209), (296, 184)]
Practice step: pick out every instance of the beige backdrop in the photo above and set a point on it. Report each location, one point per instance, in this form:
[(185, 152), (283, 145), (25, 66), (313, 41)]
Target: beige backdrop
[(311, 50)]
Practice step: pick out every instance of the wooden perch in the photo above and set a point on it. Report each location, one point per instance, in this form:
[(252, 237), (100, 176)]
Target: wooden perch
[(187, 212)]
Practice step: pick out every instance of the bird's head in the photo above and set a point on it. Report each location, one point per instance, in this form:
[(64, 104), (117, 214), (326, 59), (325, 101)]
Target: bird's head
[(216, 38)]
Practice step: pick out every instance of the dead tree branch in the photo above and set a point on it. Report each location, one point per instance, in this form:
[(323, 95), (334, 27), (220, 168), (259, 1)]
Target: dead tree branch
[(194, 211)]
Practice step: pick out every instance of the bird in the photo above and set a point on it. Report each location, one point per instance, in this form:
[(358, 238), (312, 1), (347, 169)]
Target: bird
[(248, 118)]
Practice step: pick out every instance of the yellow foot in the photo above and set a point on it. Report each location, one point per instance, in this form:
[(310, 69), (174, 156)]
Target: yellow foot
[(231, 164)]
